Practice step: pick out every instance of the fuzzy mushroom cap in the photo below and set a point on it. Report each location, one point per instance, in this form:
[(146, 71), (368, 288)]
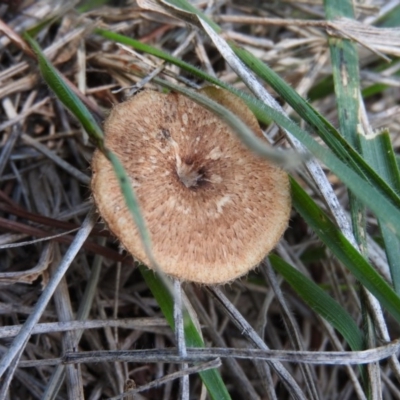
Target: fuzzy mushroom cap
[(212, 207)]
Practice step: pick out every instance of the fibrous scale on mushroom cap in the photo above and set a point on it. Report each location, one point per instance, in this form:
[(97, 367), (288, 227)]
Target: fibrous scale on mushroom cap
[(213, 208)]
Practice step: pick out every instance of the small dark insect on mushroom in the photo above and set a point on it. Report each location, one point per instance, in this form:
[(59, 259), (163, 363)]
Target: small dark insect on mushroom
[(213, 208)]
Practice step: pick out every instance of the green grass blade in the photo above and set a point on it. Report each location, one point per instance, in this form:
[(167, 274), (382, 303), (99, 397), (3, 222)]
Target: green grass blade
[(346, 80), (130, 197), (321, 303), (344, 60), (378, 151), (327, 231), (288, 159), (322, 127), (211, 378)]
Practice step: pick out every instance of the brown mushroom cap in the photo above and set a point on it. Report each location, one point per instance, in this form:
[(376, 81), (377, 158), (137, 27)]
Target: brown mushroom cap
[(213, 208)]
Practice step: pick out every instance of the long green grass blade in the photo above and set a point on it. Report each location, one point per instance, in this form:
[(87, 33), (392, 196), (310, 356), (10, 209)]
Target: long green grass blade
[(345, 76), (320, 302), (344, 60), (211, 378), (326, 230)]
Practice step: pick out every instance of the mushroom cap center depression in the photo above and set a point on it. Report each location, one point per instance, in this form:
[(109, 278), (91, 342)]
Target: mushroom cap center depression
[(190, 175), (210, 204)]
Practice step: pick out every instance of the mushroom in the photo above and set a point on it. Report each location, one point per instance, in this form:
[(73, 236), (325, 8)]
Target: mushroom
[(213, 208)]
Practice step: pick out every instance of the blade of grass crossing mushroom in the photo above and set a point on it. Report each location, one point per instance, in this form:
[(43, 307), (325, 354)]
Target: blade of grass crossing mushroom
[(287, 159), (323, 128), (326, 230), (320, 302), (132, 203), (77, 108), (212, 379)]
